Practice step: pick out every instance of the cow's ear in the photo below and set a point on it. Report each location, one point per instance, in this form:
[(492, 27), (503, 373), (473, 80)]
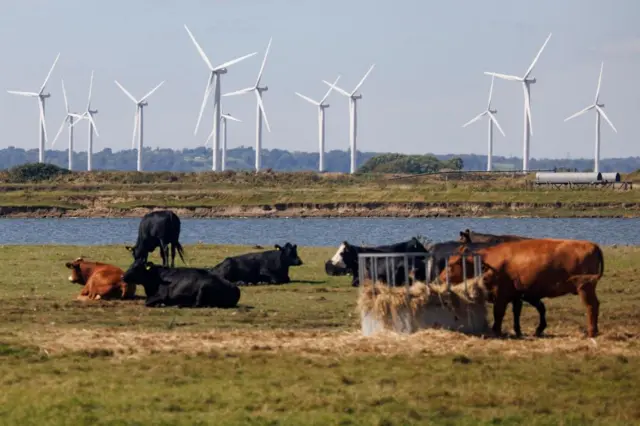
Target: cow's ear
[(295, 246), (129, 248), (148, 265), (69, 265), (277, 246)]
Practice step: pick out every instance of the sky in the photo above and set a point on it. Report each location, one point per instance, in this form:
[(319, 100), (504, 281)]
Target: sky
[(428, 78)]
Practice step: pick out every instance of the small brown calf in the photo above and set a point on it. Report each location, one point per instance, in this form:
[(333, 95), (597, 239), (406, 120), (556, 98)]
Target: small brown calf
[(100, 280)]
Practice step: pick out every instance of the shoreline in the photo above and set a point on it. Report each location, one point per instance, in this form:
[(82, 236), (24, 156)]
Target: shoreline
[(347, 210)]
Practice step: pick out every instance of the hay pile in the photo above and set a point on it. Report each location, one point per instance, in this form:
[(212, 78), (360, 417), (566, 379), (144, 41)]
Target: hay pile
[(423, 306)]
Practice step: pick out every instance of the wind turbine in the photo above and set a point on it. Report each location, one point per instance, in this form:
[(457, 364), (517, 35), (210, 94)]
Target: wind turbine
[(223, 118), (69, 118), (492, 119), (526, 87), (321, 107), (213, 83), (138, 119), (599, 112), (353, 117), (88, 115), (41, 99), (260, 113)]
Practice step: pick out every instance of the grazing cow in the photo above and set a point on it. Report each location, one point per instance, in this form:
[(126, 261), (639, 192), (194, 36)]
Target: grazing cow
[(100, 280), (533, 269), (468, 236), (347, 258), (158, 229), (271, 266), (183, 287)]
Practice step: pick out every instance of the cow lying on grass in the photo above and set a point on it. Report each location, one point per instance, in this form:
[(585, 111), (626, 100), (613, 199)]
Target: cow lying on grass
[(271, 266), (100, 280), (183, 287), (534, 269)]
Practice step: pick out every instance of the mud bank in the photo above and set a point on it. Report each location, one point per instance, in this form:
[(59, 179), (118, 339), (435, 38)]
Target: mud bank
[(346, 209)]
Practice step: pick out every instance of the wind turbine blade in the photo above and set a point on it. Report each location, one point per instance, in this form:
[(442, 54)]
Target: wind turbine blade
[(264, 114), (336, 88), (151, 92), (136, 118), (230, 117), (59, 131), (204, 56), (28, 94), (66, 103), (42, 122), (495, 121), (129, 95), (493, 77), (599, 83), (207, 92), (363, 79), (504, 76), (533, 64), (90, 90), (233, 61), (95, 128), (264, 61), (240, 92), (601, 111), (49, 75), (330, 90), (582, 111), (527, 105), (474, 119), (308, 99)]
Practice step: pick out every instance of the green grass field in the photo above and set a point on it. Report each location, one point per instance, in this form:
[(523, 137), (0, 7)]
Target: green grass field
[(294, 354)]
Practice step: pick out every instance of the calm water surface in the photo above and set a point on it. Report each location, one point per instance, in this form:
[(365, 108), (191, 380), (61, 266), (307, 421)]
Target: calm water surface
[(313, 231)]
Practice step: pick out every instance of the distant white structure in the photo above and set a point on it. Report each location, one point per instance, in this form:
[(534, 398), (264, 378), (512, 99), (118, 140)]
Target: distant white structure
[(260, 112), (599, 112), (526, 87), (321, 119), (223, 118), (69, 118), (88, 115), (138, 120), (353, 115), (492, 119), (41, 99), (213, 83)]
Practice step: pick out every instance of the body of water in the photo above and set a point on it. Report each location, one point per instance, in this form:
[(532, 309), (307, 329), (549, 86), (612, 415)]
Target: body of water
[(314, 231)]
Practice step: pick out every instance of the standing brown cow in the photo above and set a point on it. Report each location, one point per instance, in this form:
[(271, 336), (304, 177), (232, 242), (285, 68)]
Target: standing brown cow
[(535, 269), (100, 280)]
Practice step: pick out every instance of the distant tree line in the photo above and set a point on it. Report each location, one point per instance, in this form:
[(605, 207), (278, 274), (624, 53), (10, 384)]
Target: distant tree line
[(242, 158)]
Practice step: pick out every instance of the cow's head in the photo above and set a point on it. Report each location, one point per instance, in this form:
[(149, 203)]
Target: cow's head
[(140, 272), (456, 271), (337, 265), (289, 254), (138, 252), (465, 236), (77, 276)]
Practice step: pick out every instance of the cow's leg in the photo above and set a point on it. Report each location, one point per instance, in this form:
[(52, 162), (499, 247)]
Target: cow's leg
[(154, 300), (499, 309), (539, 305), (173, 254), (517, 310), (165, 261), (587, 293)]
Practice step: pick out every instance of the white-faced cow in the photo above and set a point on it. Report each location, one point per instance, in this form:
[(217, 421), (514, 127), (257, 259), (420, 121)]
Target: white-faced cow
[(158, 229)]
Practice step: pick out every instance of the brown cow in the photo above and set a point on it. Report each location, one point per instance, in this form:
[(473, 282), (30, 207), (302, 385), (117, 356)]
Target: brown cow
[(467, 236), (100, 280), (533, 269)]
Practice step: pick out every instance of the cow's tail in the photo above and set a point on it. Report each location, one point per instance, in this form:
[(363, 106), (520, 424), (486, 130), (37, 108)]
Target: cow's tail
[(601, 259), (180, 251)]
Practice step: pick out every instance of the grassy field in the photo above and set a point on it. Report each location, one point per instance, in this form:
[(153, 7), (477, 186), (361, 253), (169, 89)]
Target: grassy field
[(293, 354), (82, 191)]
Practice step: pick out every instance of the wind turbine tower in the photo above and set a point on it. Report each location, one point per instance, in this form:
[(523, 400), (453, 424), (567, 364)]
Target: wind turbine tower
[(599, 113), (260, 113), (69, 118), (138, 120), (353, 115), (213, 83), (88, 115), (321, 119), (526, 87), (224, 118), (41, 100), (492, 119)]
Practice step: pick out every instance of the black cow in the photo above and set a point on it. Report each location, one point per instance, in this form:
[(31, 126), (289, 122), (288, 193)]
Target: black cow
[(347, 258), (158, 229), (183, 287), (271, 266)]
